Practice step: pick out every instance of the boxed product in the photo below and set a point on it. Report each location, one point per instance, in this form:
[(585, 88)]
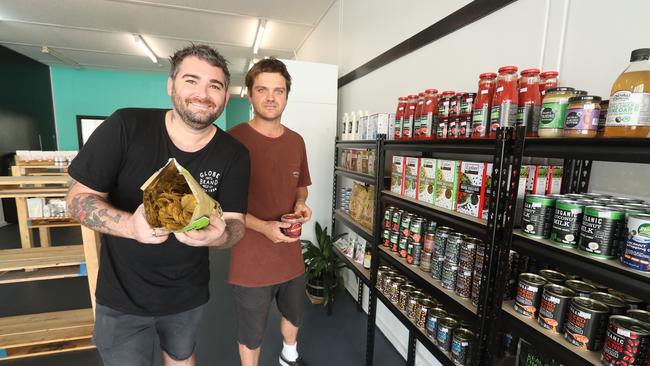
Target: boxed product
[(362, 204), (554, 180), (371, 162), (56, 207), (427, 180), (411, 174), (362, 162), (524, 173), (397, 175), (537, 179), (363, 128), (472, 185), (382, 124), (346, 246), (353, 156), (35, 207), (446, 183), (359, 251)]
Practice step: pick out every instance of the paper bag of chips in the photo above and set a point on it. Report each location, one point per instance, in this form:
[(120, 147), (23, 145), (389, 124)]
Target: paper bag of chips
[(175, 201)]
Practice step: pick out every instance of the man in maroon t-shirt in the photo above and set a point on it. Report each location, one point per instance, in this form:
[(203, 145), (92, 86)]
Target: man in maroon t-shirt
[(266, 264)]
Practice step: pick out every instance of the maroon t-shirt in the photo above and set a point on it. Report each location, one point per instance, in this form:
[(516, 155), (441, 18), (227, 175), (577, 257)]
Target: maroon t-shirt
[(278, 168)]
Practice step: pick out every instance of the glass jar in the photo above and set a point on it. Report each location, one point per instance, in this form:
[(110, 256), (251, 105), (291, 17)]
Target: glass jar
[(409, 117), (505, 99), (548, 80), (554, 110), (418, 116), (482, 103), (529, 101), (582, 116), (629, 101)]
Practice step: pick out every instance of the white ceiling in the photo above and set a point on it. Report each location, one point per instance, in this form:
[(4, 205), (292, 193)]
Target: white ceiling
[(99, 33)]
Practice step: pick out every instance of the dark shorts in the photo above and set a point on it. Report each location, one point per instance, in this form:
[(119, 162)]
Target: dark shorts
[(125, 339), (253, 304)]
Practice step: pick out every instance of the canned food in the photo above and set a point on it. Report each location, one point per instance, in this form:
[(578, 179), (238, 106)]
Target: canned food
[(429, 242), (386, 237), (415, 254), (394, 242), (405, 226), (464, 283), (412, 304), (388, 217), (382, 271), (554, 307), (387, 282), (425, 262), (537, 216), (617, 306), (404, 293), (436, 267), (403, 245), (448, 277), (476, 288), (397, 220), (636, 251), (423, 308), (599, 286), (445, 331), (567, 219), (442, 233), (433, 316), (626, 342), (586, 323), (582, 288), (467, 253), (416, 230), (640, 315), (600, 230), (632, 301), (452, 249), (529, 294), (552, 276), (461, 346)]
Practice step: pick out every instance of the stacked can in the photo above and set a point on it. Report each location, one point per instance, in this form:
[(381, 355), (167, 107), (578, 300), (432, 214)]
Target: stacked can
[(346, 193), (466, 267), (428, 244), (478, 270), (415, 244), (438, 255), (450, 267)]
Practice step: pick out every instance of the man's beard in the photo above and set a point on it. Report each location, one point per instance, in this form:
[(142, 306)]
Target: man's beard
[(196, 121)]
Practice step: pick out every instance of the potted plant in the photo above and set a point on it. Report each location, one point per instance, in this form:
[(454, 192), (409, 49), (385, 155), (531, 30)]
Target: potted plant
[(322, 267)]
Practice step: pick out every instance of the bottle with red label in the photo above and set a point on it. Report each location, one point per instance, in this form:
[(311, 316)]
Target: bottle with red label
[(418, 116), (482, 104), (505, 100), (409, 117), (399, 116), (444, 109), (548, 80), (465, 114), (453, 130), (429, 114), (528, 112)]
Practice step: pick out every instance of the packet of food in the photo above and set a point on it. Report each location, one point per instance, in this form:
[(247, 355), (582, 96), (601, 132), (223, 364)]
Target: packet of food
[(173, 200)]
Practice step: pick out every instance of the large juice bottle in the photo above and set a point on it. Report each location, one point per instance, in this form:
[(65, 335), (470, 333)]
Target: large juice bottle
[(503, 112), (399, 116), (416, 133), (628, 114), (482, 104)]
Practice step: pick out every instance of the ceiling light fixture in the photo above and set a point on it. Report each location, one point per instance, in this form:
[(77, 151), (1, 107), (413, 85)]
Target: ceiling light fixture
[(145, 47), (260, 34), (61, 57)]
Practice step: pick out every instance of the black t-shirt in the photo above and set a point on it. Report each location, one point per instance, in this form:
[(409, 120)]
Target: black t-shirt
[(120, 155)]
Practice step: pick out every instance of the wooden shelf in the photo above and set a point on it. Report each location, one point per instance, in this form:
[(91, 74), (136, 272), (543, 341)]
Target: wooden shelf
[(25, 180), (41, 257), (554, 344), (33, 192), (45, 333), (43, 274), (51, 222)]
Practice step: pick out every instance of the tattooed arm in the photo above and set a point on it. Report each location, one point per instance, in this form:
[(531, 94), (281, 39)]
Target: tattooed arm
[(221, 233), (91, 209)]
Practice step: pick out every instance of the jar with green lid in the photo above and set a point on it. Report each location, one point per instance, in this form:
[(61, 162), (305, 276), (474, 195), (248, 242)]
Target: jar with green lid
[(554, 111), (582, 116)]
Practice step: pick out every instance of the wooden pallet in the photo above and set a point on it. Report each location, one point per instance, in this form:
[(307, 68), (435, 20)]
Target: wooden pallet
[(45, 333), (41, 263)]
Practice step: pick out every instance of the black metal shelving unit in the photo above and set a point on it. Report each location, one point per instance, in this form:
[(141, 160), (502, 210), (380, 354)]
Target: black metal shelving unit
[(578, 155)]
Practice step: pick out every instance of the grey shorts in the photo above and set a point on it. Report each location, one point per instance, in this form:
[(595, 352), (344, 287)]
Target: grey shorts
[(125, 339), (253, 304)]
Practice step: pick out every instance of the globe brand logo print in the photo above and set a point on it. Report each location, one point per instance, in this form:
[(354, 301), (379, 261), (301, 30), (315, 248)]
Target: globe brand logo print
[(209, 180)]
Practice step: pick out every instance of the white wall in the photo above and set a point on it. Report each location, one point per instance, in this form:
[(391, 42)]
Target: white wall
[(588, 41), (311, 111)]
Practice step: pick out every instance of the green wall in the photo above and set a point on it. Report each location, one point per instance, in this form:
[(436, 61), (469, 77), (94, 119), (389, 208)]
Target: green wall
[(25, 104), (238, 111), (99, 93)]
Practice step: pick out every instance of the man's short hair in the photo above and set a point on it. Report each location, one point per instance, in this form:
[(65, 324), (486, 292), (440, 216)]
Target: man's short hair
[(202, 52), (268, 65)]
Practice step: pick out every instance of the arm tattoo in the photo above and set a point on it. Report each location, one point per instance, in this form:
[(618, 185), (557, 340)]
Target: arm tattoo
[(235, 230), (84, 209)]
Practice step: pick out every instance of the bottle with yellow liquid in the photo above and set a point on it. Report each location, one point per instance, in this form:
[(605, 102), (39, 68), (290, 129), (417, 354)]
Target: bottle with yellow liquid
[(629, 104)]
